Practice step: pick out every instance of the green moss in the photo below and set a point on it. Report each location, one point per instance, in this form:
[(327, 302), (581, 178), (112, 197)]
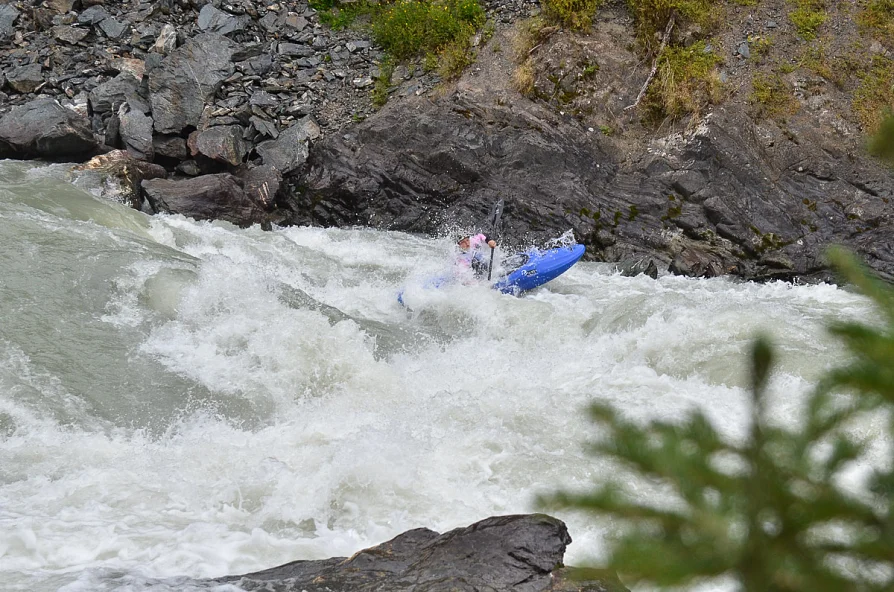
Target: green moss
[(383, 82), (574, 14), (618, 216), (407, 28), (634, 212), (876, 18)]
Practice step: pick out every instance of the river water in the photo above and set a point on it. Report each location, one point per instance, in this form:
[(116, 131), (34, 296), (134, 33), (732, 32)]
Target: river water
[(190, 400)]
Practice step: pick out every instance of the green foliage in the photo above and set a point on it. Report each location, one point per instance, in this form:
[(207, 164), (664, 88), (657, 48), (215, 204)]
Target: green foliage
[(407, 28), (340, 16), (771, 96), (574, 14), (769, 512), (875, 95), (882, 143), (877, 17), (383, 82), (807, 17), (685, 82)]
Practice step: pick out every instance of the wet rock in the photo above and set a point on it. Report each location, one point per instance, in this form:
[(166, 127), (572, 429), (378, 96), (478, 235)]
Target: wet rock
[(170, 146), (289, 151), (262, 184), (25, 79), (498, 554), (208, 197), (696, 263), (116, 176), (44, 128), (187, 80)]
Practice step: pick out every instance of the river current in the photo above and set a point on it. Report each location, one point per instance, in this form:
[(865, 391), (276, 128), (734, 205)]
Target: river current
[(184, 399)]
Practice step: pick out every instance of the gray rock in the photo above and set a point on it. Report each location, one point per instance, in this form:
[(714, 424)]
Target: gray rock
[(743, 50), (8, 16), (136, 133), (167, 40), (263, 99), (187, 80), (214, 20), (264, 127), (170, 146), (112, 28), (295, 50), (44, 128), (93, 15), (60, 6), (289, 151), (25, 79), (499, 554), (108, 96), (207, 197), (68, 34), (222, 143), (262, 184)]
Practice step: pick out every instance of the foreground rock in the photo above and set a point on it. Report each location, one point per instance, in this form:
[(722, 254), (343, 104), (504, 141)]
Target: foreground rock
[(521, 553), (45, 129), (209, 197)]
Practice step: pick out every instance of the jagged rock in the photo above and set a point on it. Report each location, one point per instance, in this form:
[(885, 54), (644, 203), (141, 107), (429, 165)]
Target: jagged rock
[(208, 197), (68, 34), (290, 150), (222, 143), (110, 95), (112, 28), (262, 184), (187, 80), (521, 553), (60, 6), (136, 133), (167, 40), (116, 176), (170, 146), (93, 15), (25, 79), (214, 20), (8, 16), (44, 128), (694, 262)]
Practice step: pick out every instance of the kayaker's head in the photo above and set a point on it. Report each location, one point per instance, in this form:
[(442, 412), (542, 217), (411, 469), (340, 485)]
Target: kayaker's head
[(464, 243)]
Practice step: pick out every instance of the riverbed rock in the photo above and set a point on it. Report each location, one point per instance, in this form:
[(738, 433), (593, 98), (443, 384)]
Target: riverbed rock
[(116, 176), (520, 553), (45, 129), (290, 149), (206, 197)]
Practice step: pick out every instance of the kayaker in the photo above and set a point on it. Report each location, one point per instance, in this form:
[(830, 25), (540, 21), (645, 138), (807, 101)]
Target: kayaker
[(470, 254)]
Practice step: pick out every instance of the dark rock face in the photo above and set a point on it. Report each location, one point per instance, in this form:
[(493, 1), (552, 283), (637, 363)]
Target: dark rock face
[(720, 200), (209, 197), (45, 129), (521, 553), (187, 81)]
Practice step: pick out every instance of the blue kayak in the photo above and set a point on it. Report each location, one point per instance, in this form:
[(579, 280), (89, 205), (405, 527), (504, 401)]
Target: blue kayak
[(529, 269)]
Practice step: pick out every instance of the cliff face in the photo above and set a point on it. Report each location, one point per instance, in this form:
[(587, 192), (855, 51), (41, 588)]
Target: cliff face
[(729, 190)]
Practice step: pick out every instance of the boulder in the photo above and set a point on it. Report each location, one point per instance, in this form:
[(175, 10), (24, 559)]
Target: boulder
[(214, 20), (222, 143), (290, 149), (25, 79), (8, 16), (207, 197), (44, 128), (262, 184), (135, 130), (110, 95), (116, 176), (520, 553), (187, 80)]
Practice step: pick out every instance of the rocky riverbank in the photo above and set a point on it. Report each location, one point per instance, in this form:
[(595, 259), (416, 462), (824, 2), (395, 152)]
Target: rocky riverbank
[(261, 114)]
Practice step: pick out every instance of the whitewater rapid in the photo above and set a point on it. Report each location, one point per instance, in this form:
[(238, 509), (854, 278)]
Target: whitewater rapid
[(184, 399)]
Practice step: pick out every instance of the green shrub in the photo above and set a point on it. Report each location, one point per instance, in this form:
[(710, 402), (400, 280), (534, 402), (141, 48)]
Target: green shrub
[(808, 16), (875, 94), (652, 16), (407, 28), (877, 17), (574, 14), (686, 81), (771, 96), (768, 513)]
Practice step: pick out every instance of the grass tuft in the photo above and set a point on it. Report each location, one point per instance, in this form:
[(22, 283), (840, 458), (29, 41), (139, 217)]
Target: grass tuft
[(685, 83), (573, 14)]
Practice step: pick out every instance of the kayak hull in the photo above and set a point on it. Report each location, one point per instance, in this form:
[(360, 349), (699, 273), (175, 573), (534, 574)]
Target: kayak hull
[(538, 266)]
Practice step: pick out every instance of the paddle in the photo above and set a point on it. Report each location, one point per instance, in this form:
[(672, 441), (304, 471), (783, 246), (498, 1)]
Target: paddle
[(495, 225)]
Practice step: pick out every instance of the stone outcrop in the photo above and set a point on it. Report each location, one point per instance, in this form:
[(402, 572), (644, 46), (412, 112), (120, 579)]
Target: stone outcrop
[(209, 197), (521, 553), (45, 129)]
